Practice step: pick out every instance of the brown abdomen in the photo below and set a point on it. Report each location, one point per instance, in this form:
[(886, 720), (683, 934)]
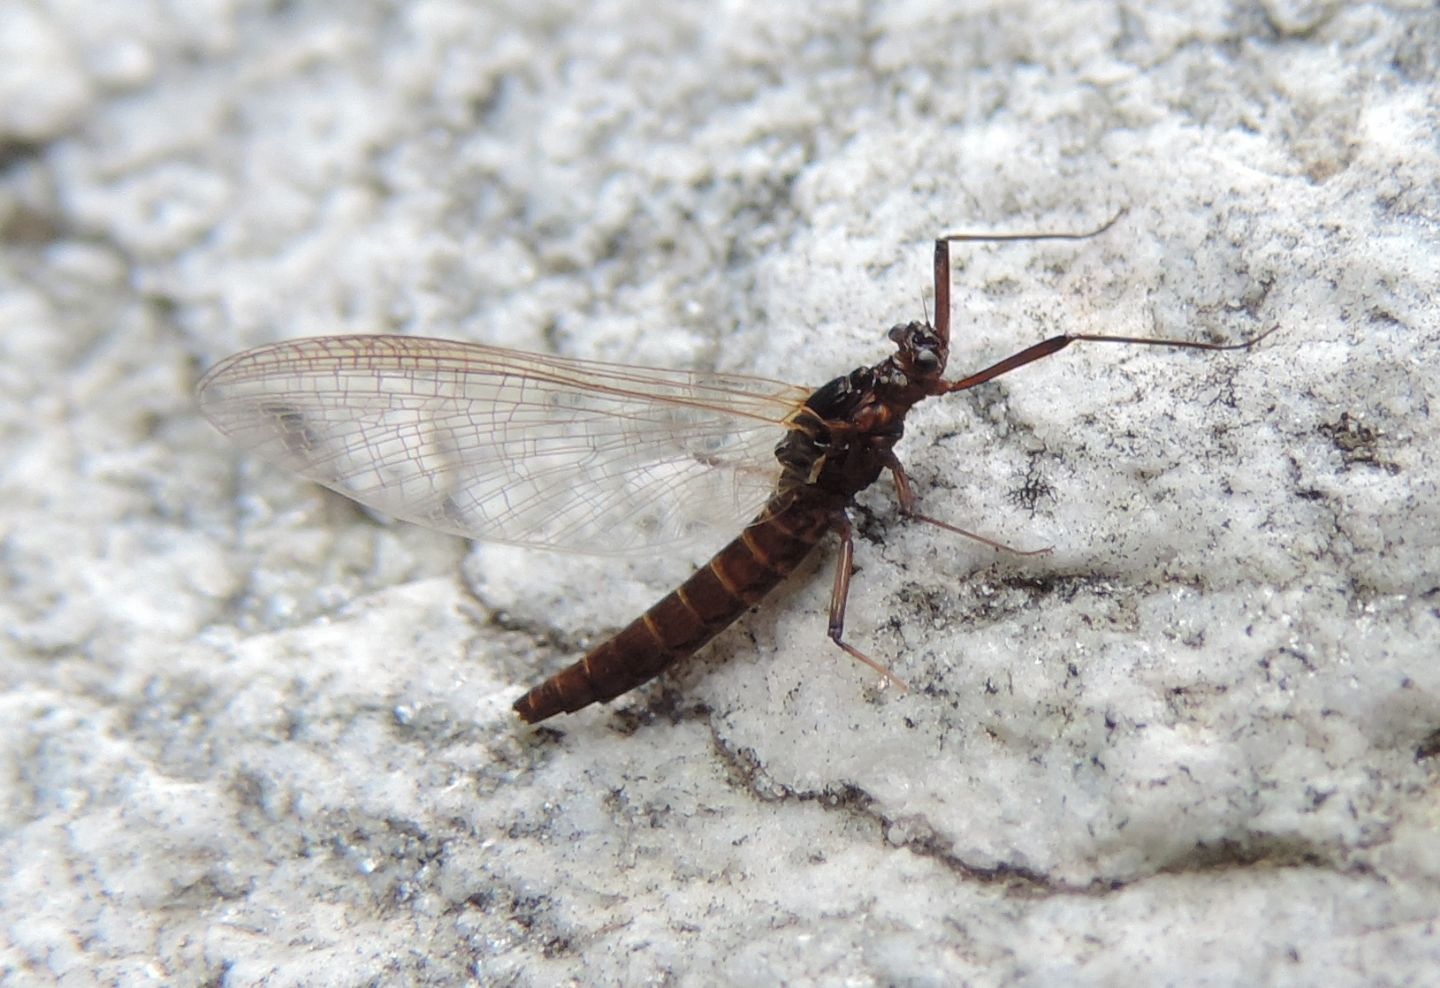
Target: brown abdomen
[(686, 618)]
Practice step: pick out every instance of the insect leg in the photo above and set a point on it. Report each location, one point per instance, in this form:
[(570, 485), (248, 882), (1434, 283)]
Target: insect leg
[(1034, 235), (1057, 343), (841, 592), (909, 507), (942, 262), (1054, 344)]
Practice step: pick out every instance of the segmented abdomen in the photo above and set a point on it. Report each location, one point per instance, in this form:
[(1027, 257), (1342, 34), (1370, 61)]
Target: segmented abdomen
[(685, 619)]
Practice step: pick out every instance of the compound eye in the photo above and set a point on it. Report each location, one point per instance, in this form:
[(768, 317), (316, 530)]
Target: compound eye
[(899, 332), (927, 361)]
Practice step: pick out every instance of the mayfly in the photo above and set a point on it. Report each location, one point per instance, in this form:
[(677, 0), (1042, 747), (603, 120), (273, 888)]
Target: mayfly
[(545, 452)]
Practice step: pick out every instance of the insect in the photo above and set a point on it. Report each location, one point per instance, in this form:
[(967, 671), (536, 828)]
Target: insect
[(583, 456)]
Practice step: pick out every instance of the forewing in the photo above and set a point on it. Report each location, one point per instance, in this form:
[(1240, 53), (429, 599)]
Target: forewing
[(506, 446)]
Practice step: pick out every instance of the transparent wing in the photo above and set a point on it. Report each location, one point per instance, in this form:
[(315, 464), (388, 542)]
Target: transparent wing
[(506, 446)]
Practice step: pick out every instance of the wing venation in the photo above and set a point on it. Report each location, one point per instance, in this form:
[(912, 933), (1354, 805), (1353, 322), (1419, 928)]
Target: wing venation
[(507, 446)]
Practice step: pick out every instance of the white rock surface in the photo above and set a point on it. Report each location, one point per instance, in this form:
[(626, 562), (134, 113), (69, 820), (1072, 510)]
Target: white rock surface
[(251, 735)]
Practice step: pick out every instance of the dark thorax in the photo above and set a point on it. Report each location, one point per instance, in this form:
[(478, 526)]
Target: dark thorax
[(841, 438)]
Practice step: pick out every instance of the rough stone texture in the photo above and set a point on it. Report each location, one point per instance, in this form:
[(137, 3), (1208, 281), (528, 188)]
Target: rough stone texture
[(252, 735)]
